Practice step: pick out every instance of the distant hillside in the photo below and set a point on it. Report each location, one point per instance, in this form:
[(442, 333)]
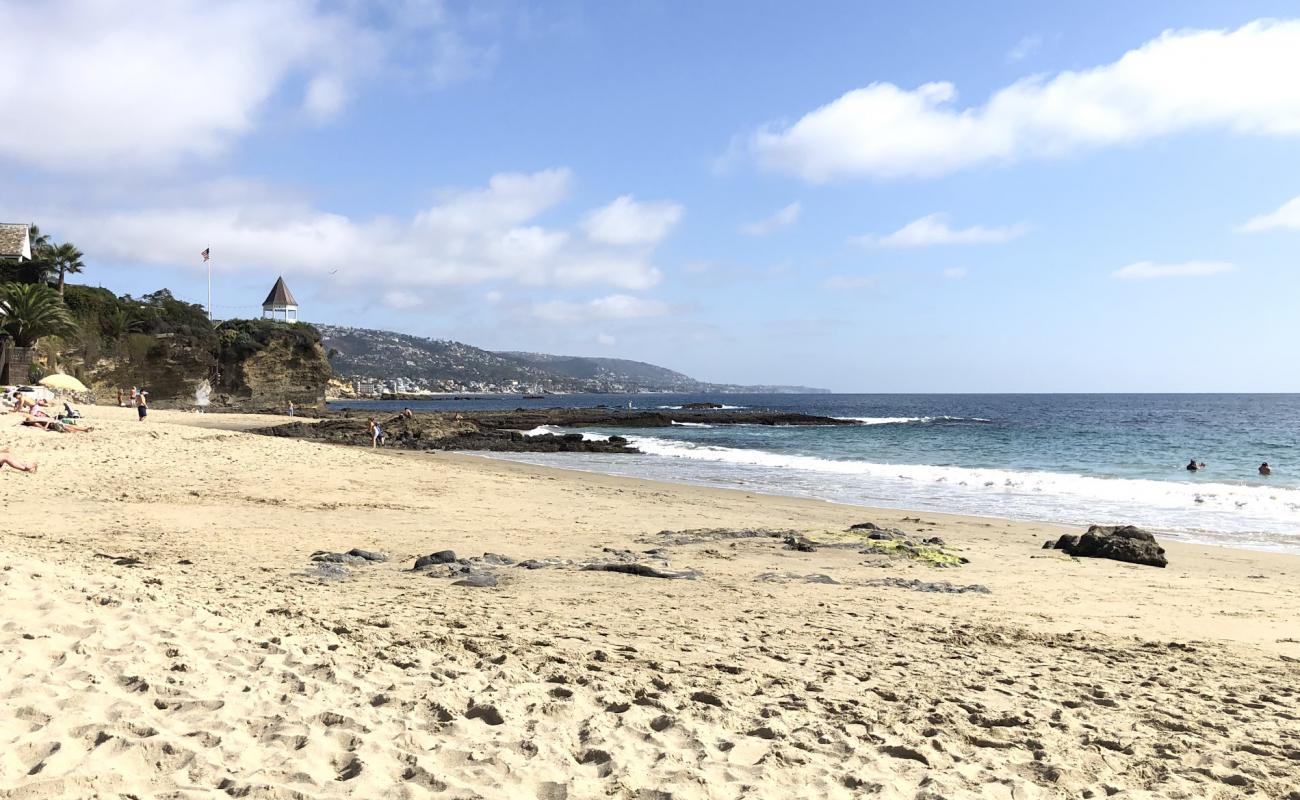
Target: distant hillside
[(416, 363), (620, 370), (384, 355)]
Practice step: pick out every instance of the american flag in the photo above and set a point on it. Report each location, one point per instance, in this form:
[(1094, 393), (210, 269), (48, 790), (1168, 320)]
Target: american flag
[(205, 253)]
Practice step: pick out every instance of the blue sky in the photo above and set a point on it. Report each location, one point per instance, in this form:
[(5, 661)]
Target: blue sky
[(861, 196)]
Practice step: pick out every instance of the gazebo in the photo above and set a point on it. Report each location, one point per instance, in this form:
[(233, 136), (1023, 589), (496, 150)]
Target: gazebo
[(279, 304)]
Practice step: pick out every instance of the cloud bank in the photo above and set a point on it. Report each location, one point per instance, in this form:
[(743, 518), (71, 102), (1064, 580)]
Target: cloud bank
[(1144, 270), (782, 218), (1285, 218), (117, 85), (471, 236), (1240, 81), (934, 229)]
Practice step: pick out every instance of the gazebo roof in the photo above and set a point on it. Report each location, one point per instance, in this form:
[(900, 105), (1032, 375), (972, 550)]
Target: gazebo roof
[(279, 296), (14, 241)]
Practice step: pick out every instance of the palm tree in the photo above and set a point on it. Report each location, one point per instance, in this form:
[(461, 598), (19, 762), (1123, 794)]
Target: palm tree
[(40, 241), (66, 258), (28, 312), (119, 323), (32, 311)]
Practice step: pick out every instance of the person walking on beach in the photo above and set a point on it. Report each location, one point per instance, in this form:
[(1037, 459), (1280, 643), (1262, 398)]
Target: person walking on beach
[(376, 433), (1265, 469), (141, 403), (291, 408)]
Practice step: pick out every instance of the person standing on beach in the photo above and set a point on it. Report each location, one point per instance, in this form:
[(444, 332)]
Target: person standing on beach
[(376, 433), (291, 408), (141, 403), (119, 397), (134, 394)]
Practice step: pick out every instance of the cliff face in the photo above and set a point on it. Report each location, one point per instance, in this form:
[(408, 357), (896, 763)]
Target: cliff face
[(249, 363), (290, 365)]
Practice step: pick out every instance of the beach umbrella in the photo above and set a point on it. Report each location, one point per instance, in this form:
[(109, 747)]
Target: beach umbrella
[(66, 383)]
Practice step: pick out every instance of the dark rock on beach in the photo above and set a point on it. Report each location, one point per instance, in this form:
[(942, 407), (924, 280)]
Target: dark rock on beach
[(641, 570), (936, 587), (354, 556), (1117, 542), (433, 559), (477, 580), (801, 543)]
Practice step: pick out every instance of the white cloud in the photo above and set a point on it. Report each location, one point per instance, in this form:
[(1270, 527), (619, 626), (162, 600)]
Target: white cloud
[(470, 236), (605, 340), (402, 300), (1240, 81), (325, 97), (955, 273), (116, 85), (1025, 48), (933, 229), (783, 218), (1286, 217), (1148, 269), (850, 282), (627, 222), (615, 306)]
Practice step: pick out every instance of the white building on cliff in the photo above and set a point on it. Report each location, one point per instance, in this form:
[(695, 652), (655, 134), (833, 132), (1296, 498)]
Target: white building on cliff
[(279, 304)]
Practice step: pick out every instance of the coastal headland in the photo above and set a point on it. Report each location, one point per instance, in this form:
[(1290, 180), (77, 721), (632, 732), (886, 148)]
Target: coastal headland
[(195, 610)]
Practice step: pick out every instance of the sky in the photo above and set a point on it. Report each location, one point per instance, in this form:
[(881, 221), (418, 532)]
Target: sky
[(862, 196)]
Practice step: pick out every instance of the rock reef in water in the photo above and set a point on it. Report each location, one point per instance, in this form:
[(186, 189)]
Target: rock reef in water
[(503, 430)]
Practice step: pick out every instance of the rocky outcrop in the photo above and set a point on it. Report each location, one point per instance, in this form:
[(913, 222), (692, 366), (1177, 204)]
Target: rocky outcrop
[(503, 430), (444, 432), (523, 419), (1116, 542)]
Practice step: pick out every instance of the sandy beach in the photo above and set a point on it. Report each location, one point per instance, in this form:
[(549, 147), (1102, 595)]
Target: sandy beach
[(166, 634)]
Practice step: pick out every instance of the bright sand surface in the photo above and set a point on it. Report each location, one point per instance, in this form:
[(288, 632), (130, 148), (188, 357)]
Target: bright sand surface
[(215, 667)]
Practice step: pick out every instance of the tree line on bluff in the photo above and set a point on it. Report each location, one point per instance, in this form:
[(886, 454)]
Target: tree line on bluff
[(48, 325)]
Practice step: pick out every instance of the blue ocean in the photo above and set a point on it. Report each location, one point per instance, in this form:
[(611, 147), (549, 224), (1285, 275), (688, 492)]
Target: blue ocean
[(1078, 459)]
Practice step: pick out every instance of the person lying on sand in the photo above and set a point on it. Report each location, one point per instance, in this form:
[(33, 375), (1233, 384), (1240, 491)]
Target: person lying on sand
[(56, 425), (7, 460)]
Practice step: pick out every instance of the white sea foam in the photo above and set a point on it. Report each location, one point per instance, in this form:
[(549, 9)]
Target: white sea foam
[(722, 407), (1271, 512), (691, 424), (542, 430), (909, 420)]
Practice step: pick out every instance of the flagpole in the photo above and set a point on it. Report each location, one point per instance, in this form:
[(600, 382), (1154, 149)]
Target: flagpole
[(209, 260)]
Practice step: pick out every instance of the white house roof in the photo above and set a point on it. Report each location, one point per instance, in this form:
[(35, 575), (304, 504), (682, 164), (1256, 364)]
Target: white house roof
[(15, 241)]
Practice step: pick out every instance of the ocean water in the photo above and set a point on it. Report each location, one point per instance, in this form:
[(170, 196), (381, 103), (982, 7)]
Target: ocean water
[(1074, 459)]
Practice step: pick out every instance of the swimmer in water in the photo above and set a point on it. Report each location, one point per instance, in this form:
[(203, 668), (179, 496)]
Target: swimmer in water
[(1265, 469), (1191, 466)]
